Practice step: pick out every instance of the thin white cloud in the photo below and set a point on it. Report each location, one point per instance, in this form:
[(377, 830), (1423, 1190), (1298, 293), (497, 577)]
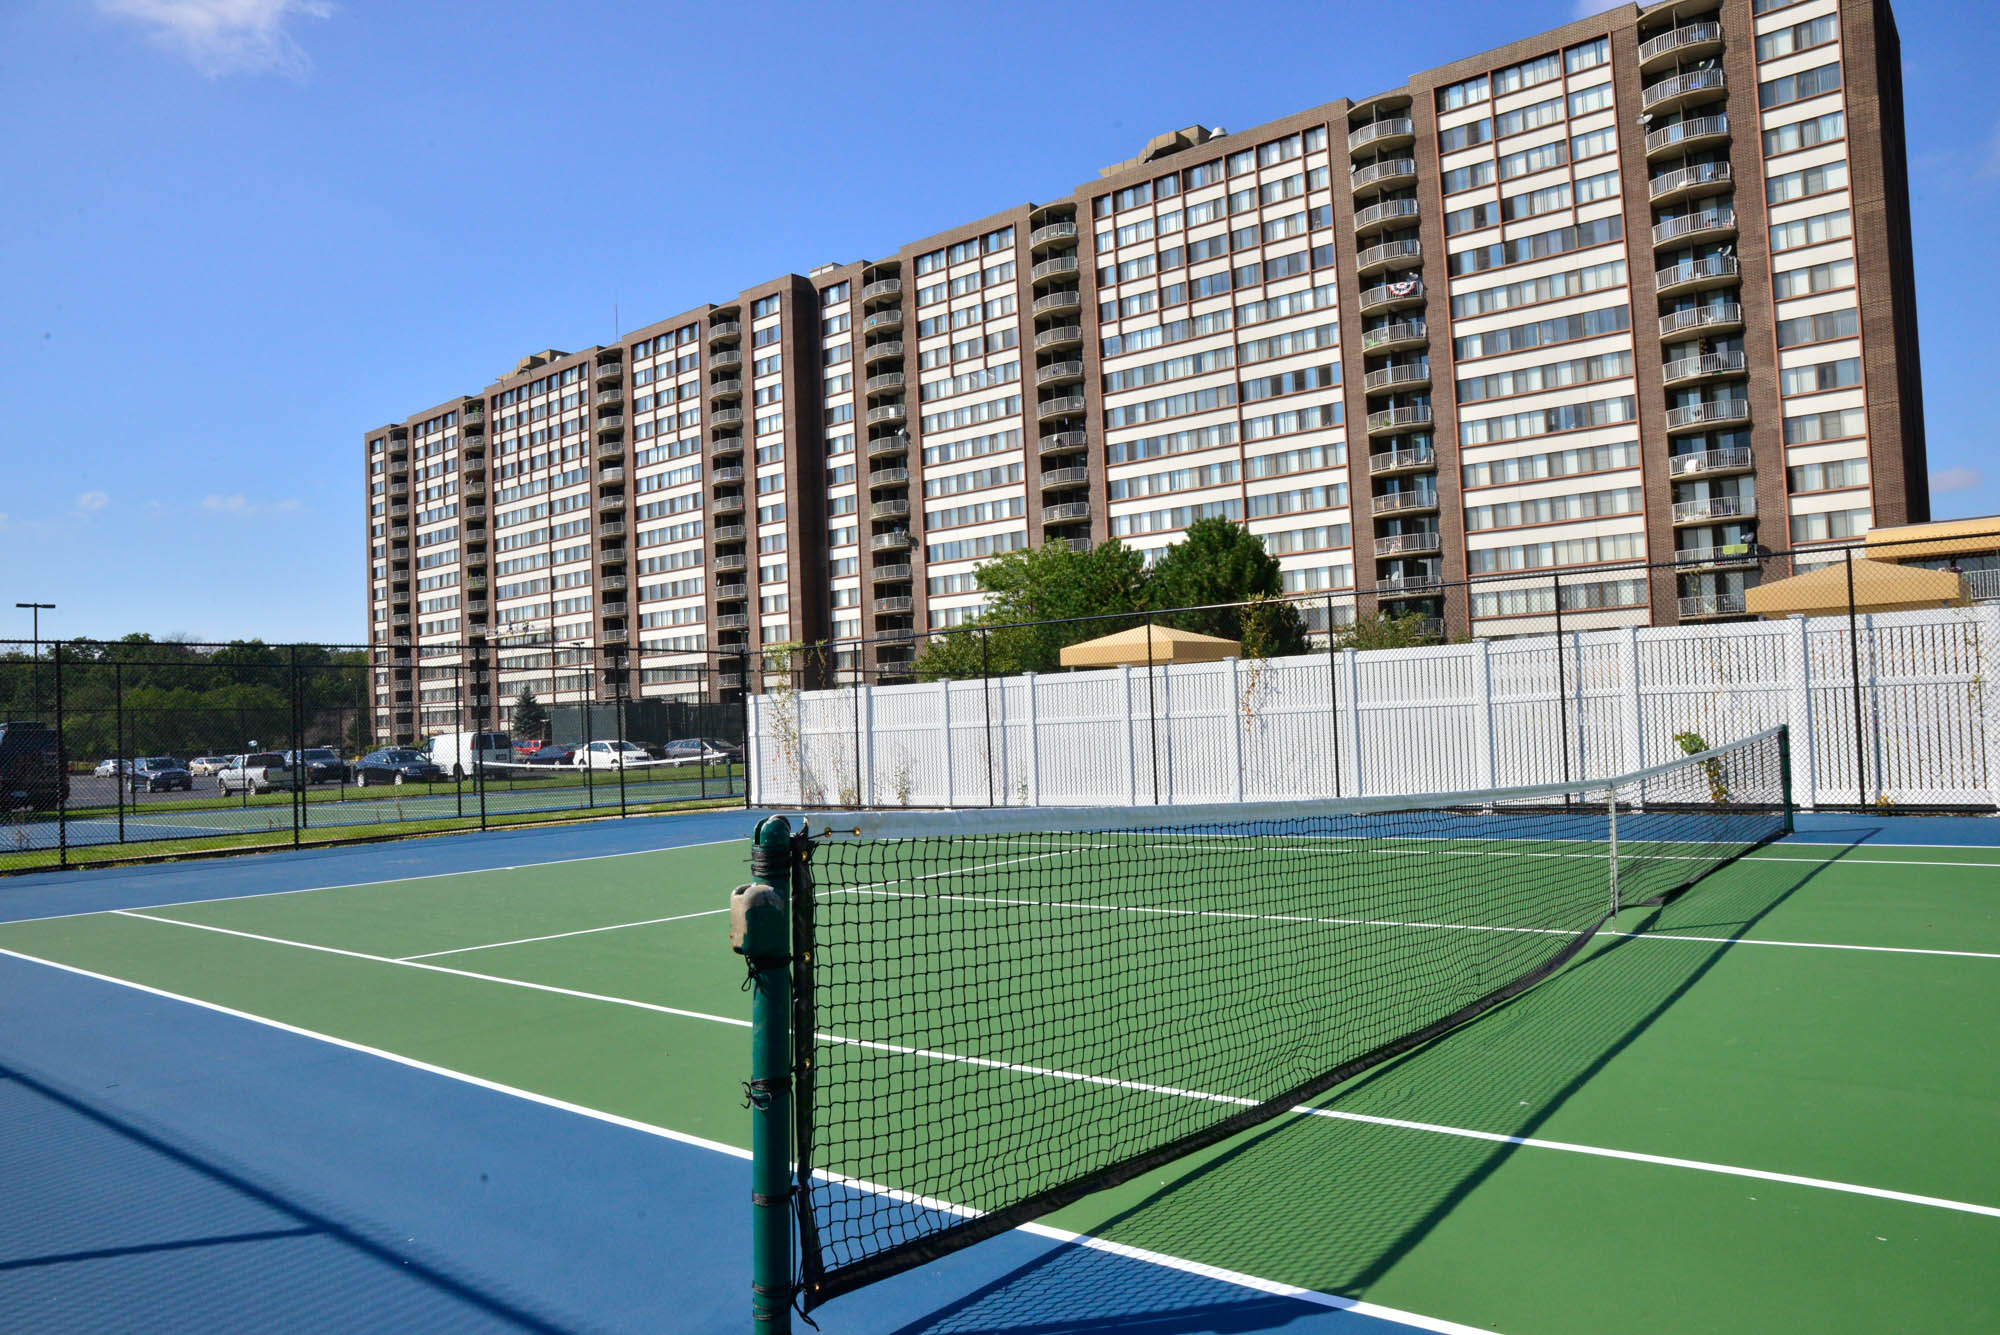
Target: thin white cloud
[(1989, 161), (238, 504), (1945, 481), (226, 36), (92, 500)]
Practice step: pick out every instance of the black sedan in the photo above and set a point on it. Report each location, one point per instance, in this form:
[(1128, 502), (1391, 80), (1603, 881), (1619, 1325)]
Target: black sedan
[(322, 765), (395, 765), (552, 754), (159, 774)]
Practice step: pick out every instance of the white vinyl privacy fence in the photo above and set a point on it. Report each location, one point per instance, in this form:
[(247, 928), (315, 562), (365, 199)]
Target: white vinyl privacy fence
[(1920, 713)]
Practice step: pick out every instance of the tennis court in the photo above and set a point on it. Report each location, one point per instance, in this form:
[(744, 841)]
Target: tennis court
[(497, 1084)]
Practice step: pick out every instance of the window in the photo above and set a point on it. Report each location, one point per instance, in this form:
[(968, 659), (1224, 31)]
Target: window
[(1590, 189), (1556, 509), (1531, 117), (1533, 160), (1810, 181), (1819, 328), (1544, 421), (1805, 134), (1472, 219), (1595, 144), (834, 295), (1463, 94), (1527, 74), (1830, 525), (1557, 463), (934, 260), (1830, 476), (1817, 278), (1811, 231), (1798, 87), (1552, 375), (1586, 100), (1587, 56), (1539, 245), (1534, 202), (1468, 178), (1822, 376), (1465, 136), (764, 306), (1839, 424), (1798, 37), (1528, 292)]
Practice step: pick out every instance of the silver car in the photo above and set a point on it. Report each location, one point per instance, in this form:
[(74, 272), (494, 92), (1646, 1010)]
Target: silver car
[(258, 772)]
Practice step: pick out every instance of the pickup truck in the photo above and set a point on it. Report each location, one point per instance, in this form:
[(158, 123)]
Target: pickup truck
[(258, 772)]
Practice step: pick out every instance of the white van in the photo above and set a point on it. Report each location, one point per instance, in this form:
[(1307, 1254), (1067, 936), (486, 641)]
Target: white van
[(459, 754)]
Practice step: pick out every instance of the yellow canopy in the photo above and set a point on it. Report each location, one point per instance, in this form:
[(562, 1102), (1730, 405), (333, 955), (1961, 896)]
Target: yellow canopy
[(1168, 646), (1940, 538), (1878, 587)]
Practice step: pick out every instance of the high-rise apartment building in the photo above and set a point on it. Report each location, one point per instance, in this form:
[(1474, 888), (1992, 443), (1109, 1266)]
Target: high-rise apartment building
[(1636, 289)]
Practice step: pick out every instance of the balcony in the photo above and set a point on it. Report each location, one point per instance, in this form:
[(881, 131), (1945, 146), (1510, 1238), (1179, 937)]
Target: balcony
[(400, 510), (731, 593), (612, 583), (1062, 442), (1688, 370), (727, 474), (611, 502), (1396, 377), (889, 510), (1711, 508), (1391, 420), (881, 352), (401, 619), (615, 635), (1703, 606), (1051, 234), (726, 505), (732, 532), (1058, 373), (725, 417), (611, 528), (887, 383), (1400, 461), (1389, 255), (1683, 89), (1067, 513), (611, 447), (1067, 405), (1383, 214), (1407, 544), (1059, 301), (1698, 275), (886, 412), (610, 398), (1707, 225), (1404, 502), (729, 561), (1389, 338), (1392, 132), (399, 531), (1688, 40), (882, 289), (1065, 477), (729, 681), (1062, 336), (1718, 317), (1391, 296), (722, 331), (613, 607), (724, 358), (1715, 412), (1060, 266), (895, 540), (1384, 175), (611, 423), (889, 477), (1408, 586), (889, 319), (1706, 178), (733, 621), (891, 574), (608, 371), (894, 606), (723, 447), (1684, 135), (731, 388), (399, 488), (1709, 463), (881, 447), (1723, 556)]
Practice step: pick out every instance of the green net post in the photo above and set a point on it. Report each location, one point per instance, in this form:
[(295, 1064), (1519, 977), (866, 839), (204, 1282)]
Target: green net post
[(760, 931), (1785, 771)]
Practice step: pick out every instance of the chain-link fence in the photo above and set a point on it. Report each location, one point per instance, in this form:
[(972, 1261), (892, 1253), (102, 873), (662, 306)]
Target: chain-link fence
[(1880, 658), (112, 751)]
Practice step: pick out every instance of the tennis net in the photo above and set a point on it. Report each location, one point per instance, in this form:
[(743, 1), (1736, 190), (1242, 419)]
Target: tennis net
[(999, 1012)]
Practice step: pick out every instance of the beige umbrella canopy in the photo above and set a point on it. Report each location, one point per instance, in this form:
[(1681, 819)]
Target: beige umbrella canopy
[(1878, 587), (1130, 647)]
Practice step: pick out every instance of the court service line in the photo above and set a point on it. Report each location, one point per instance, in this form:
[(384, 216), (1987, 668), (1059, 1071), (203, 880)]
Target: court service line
[(1171, 1091), (553, 936), (1237, 1278), (386, 880)]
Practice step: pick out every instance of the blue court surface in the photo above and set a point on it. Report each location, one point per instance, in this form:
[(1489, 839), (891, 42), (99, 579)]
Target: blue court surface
[(175, 1164)]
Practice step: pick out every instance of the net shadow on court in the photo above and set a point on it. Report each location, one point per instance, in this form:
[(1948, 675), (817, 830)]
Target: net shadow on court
[(1350, 1199)]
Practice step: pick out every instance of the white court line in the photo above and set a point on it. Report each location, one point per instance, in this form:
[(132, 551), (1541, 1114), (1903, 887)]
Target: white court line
[(386, 880), (552, 936), (1080, 1077), (1237, 1278)]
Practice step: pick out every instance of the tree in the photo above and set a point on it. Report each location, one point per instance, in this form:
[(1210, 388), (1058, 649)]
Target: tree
[(1051, 583), (1383, 630), (530, 719), (1221, 561)]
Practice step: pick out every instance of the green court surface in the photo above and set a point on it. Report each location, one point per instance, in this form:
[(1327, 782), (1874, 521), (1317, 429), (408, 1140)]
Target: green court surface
[(1770, 1105)]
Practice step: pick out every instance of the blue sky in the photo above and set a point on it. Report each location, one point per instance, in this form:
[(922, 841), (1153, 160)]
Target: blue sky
[(238, 233)]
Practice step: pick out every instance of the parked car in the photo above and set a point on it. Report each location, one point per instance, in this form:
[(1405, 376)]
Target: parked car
[(204, 766), (554, 753), (458, 754), (394, 764), (31, 776), (160, 774), (109, 769), (697, 751), (527, 746), (256, 772), (610, 755), (322, 765)]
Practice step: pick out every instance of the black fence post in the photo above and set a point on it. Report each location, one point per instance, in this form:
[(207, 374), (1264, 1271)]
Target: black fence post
[(458, 714), (857, 674), (618, 718), (1854, 667), (986, 700), (118, 778), (743, 725), (483, 678), (1562, 683), (300, 778), (1152, 717), (1333, 691), (589, 780), (62, 766)]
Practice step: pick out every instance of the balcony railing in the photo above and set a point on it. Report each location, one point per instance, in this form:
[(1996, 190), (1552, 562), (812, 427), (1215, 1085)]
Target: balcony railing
[(1720, 315), (1733, 460), (731, 593), (614, 474), (1400, 502), (1700, 368), (1679, 39), (610, 422), (726, 505), (1683, 179), (1680, 88), (1389, 210), (733, 621), (1694, 224), (881, 352), (884, 383), (1061, 442), (1726, 604), (730, 561), (728, 473), (1403, 544), (1707, 414), (1386, 296), (1058, 373), (732, 532), (888, 509), (1393, 170), (1390, 377), (725, 417), (1049, 234), (609, 371), (1059, 266), (893, 540), (723, 358), (1390, 336), (889, 477), (1067, 513), (1711, 508), (1689, 131), (724, 329), (731, 388), (889, 319), (1392, 129), (1061, 336), (1059, 301), (891, 574), (726, 446), (893, 606), (1065, 477), (1399, 461), (1063, 406), (1712, 269), (882, 287), (886, 412), (1396, 419), (1389, 253), (883, 446)]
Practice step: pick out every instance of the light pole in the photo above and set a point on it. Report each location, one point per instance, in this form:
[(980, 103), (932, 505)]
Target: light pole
[(35, 610)]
